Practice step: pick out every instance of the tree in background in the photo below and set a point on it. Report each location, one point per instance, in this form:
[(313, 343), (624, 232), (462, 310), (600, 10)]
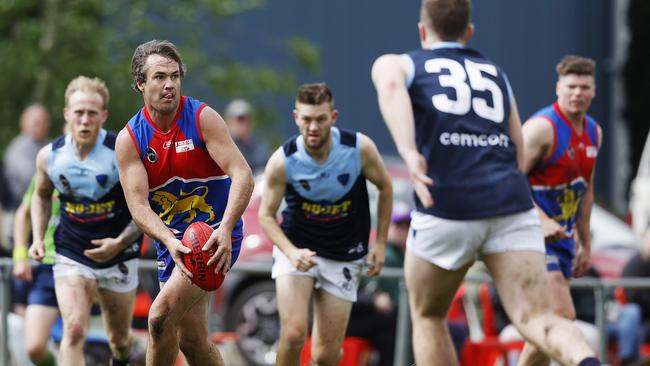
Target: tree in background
[(46, 43)]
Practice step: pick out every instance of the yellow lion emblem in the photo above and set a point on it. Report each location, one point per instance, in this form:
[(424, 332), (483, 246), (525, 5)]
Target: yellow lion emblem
[(189, 203), (569, 203)]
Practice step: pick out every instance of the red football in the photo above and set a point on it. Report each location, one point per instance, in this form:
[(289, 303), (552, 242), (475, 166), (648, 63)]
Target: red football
[(194, 238)]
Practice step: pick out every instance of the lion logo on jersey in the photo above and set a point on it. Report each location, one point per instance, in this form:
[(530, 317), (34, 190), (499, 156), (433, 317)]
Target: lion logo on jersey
[(569, 203), (189, 203)]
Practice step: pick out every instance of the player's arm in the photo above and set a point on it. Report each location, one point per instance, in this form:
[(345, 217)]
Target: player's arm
[(374, 170), (389, 73), (41, 206), (21, 267), (134, 180), (108, 248), (538, 135), (583, 227), (275, 181), (225, 153)]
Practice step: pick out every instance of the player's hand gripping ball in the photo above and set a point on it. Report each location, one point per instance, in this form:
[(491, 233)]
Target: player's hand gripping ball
[(203, 275)]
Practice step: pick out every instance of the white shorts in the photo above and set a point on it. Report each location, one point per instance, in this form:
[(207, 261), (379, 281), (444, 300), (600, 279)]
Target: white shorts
[(451, 244), (339, 278), (122, 277)]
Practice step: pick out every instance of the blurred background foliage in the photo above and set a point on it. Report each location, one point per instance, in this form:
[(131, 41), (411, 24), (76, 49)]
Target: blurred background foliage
[(46, 43)]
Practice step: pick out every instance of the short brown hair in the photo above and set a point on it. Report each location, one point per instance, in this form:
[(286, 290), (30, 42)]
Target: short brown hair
[(315, 94), (447, 18), (87, 85), (572, 64), (154, 47)]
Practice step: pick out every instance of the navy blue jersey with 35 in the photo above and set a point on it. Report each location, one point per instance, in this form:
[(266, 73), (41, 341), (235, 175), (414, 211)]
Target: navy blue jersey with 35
[(461, 104)]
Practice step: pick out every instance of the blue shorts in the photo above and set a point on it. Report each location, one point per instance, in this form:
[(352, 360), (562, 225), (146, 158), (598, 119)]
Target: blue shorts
[(166, 262), (41, 290), (559, 257)]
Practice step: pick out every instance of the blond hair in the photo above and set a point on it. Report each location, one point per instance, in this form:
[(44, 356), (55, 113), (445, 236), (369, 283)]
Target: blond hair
[(87, 85)]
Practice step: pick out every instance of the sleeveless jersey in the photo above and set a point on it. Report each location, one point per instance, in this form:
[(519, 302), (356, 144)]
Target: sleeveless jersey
[(327, 204), (185, 184), (92, 201), (48, 238), (559, 182), (461, 104)]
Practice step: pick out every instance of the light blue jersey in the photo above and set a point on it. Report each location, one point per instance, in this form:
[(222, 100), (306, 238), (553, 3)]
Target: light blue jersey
[(92, 201), (327, 204)]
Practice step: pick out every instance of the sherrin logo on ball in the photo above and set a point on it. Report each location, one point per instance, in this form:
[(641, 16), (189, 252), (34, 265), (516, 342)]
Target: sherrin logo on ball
[(195, 237)]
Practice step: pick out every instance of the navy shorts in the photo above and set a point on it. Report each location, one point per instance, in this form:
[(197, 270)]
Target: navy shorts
[(38, 292), (42, 291), (559, 258), (166, 262)]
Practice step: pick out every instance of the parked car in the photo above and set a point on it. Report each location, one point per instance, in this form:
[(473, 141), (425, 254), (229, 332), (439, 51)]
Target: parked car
[(613, 243)]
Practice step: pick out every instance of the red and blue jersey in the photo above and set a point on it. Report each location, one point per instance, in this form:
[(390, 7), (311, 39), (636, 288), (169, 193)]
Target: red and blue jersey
[(185, 183), (560, 181)]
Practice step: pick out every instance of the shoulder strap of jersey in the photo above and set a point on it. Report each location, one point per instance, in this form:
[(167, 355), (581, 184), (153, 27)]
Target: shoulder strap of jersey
[(290, 147), (58, 142), (592, 130), (348, 138), (109, 140), (562, 132)]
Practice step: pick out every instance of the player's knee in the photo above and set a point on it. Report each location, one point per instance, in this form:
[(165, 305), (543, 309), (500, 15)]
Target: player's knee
[(158, 325), (37, 353), (326, 355), (120, 345), (294, 337), (74, 332)]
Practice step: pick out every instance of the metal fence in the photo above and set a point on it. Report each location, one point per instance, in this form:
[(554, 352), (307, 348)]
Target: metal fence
[(600, 287)]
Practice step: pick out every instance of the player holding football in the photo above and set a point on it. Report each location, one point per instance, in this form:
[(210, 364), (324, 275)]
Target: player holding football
[(178, 165), (454, 120), (320, 248)]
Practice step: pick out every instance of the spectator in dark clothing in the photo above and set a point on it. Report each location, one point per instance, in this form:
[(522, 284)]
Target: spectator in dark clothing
[(239, 118), (638, 267)]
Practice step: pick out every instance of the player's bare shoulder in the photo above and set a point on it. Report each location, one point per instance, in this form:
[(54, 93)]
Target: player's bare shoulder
[(540, 130), (390, 68), (275, 172), (211, 124)]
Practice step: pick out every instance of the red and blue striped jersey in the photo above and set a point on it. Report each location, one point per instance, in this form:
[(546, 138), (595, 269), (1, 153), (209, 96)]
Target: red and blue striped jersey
[(560, 181), (185, 183)]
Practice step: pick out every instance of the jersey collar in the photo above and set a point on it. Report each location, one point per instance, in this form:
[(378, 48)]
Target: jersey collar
[(438, 45)]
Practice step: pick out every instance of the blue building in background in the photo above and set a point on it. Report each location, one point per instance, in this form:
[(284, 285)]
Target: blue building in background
[(527, 38)]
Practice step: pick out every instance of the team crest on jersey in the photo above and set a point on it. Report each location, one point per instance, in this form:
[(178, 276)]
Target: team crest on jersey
[(343, 179), (67, 189), (187, 205), (102, 179), (152, 156), (571, 153), (185, 145), (592, 152), (304, 184)]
